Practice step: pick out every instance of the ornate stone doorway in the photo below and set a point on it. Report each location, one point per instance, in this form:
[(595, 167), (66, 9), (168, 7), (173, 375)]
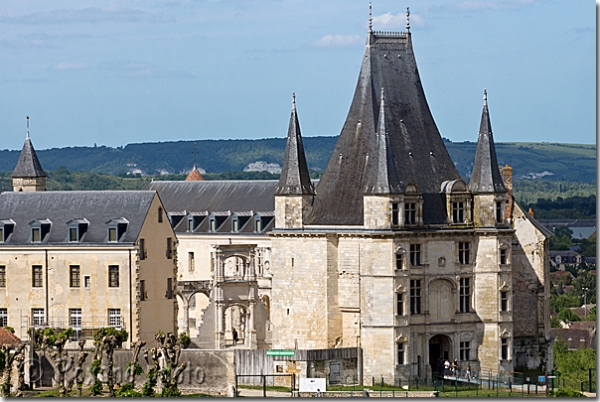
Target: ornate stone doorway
[(440, 349)]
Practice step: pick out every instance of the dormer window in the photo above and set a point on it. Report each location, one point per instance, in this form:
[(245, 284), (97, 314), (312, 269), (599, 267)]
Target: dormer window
[(77, 228), (499, 212), (116, 229), (235, 225), (6, 229), (258, 224), (458, 202), (412, 205), (410, 213), (458, 212), (39, 229), (212, 224)]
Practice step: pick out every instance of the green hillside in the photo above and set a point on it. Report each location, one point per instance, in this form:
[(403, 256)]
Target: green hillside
[(550, 161)]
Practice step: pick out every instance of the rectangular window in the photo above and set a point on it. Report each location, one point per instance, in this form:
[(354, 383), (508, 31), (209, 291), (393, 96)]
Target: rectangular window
[(37, 317), (36, 271), (3, 317), (169, 248), (2, 276), (87, 281), (2, 234), (399, 261), (504, 349), (169, 288), (400, 352), (415, 296), (499, 217), (394, 213), (35, 235), (73, 234), (112, 234), (399, 304), (213, 224), (192, 261), (258, 225), (415, 255), (142, 290), (142, 249), (458, 212), (74, 276), (236, 224), (465, 351), (465, 295), (75, 318), (503, 256), (410, 213), (114, 318), (503, 301), (190, 227), (113, 276), (160, 215), (464, 249)]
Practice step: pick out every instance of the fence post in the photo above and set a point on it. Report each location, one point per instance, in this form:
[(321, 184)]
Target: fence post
[(590, 378), (264, 380), (372, 381)]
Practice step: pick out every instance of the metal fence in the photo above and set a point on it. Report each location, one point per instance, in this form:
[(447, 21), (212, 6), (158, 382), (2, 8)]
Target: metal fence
[(287, 381)]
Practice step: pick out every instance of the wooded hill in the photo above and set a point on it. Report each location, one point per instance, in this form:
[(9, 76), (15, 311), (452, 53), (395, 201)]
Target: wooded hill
[(554, 161)]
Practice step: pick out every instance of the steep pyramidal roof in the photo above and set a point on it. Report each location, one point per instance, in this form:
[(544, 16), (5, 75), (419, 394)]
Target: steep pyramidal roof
[(419, 153), (382, 177), (486, 177), (28, 165), (194, 175), (294, 178)]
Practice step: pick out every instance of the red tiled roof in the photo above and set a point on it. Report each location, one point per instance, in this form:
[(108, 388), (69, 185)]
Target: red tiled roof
[(194, 175), (8, 338)]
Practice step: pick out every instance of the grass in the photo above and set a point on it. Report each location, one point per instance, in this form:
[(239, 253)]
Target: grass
[(269, 388)]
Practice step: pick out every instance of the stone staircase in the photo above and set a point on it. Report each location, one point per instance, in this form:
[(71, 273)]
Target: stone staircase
[(206, 329)]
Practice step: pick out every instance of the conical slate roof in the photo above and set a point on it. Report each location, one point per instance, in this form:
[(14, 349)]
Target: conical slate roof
[(486, 177), (294, 178), (419, 153), (382, 176), (29, 165)]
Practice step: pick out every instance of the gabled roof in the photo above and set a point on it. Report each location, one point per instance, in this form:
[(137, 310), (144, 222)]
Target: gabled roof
[(28, 165), (217, 195), (419, 154), (486, 177), (61, 207), (294, 178)]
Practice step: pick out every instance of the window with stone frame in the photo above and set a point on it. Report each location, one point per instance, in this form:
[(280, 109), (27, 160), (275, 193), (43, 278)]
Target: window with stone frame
[(399, 304), (503, 254), (465, 295), (113, 276), (464, 252), (3, 317), (458, 212), (465, 351), (142, 247), (400, 348), (74, 276), (36, 276), (114, 318), (2, 276), (499, 212), (395, 212), (169, 248), (399, 261), (410, 213), (504, 348), (415, 296), (503, 301), (415, 255), (38, 318), (191, 261), (160, 215), (142, 290)]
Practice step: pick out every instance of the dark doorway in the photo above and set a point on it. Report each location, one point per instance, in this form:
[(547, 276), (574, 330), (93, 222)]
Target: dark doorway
[(440, 348)]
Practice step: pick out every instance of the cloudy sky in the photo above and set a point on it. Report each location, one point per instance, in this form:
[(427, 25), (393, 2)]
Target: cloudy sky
[(117, 72)]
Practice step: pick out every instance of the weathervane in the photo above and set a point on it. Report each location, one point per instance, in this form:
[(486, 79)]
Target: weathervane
[(27, 127)]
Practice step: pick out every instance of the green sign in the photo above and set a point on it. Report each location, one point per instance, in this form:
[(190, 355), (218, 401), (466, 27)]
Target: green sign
[(280, 353)]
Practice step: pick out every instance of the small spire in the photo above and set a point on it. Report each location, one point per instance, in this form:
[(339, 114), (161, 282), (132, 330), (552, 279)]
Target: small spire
[(370, 18), (382, 96), (293, 100), (407, 19), (195, 152), (27, 127), (484, 97)]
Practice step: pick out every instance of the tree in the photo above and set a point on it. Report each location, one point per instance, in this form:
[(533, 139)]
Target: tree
[(10, 355), (567, 316), (106, 340), (559, 302), (54, 345)]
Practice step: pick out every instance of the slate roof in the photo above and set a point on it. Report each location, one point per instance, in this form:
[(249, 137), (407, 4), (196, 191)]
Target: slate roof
[(419, 153), (216, 195), (486, 177), (294, 178), (60, 207), (28, 165)]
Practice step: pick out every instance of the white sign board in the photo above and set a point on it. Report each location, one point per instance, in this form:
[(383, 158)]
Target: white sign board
[(312, 384)]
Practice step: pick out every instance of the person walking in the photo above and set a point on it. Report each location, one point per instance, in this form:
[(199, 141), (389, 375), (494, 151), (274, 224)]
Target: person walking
[(446, 367), (468, 376), (235, 336)]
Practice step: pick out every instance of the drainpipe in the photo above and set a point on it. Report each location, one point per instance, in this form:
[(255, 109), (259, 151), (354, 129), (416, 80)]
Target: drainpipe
[(359, 357), (130, 303), (47, 293)]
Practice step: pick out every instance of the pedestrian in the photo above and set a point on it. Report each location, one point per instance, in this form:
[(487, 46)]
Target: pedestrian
[(319, 395), (235, 336), (455, 366), (468, 370), (446, 367)]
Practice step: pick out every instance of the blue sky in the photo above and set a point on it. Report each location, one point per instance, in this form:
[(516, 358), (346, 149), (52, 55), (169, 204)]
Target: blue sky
[(118, 72)]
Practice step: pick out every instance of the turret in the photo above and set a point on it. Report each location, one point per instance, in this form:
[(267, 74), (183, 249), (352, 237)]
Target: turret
[(29, 174), (487, 186), (294, 193)]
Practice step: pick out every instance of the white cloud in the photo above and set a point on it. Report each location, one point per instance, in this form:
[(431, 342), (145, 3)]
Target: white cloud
[(71, 66), (483, 5), (398, 21), (338, 40)]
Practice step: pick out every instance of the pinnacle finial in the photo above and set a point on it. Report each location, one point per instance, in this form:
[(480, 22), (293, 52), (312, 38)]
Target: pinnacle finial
[(293, 100), (27, 127), (407, 19), (382, 95), (370, 18), (195, 152), (484, 97)]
